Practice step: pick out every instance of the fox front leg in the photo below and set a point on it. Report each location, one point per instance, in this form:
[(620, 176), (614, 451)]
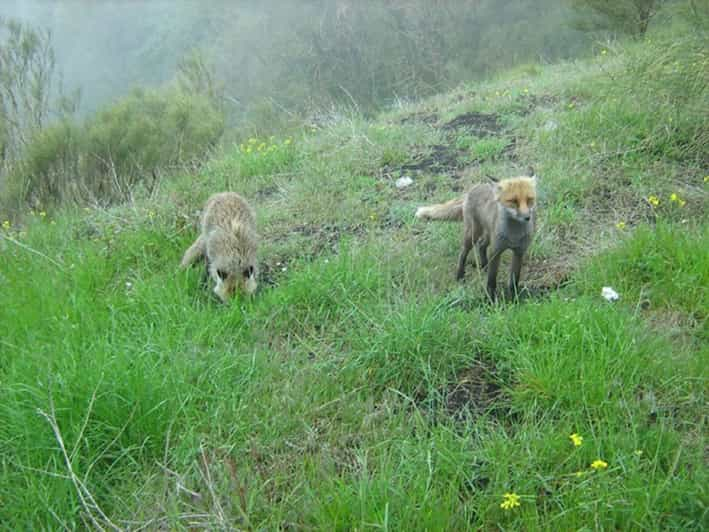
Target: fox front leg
[(492, 266), (515, 271)]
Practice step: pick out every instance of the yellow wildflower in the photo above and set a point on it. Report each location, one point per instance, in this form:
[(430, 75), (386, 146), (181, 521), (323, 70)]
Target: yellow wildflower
[(571, 105), (287, 141), (599, 464), (53, 222), (6, 224), (706, 178), (653, 200), (151, 214), (510, 500), (604, 52), (42, 214), (576, 439), (526, 90), (248, 150), (638, 452), (676, 199), (620, 225)]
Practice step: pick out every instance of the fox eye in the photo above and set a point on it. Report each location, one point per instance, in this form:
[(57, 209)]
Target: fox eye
[(222, 274), (248, 272)]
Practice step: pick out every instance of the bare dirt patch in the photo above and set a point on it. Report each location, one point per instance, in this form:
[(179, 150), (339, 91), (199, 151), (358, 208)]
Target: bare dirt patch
[(440, 159), (446, 158), (476, 390), (479, 124), (316, 240)]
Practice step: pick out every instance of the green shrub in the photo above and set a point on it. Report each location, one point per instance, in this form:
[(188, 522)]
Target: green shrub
[(123, 145), (150, 129)]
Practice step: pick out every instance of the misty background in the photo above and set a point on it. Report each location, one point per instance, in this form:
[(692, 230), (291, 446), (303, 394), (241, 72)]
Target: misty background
[(98, 97), (300, 54)]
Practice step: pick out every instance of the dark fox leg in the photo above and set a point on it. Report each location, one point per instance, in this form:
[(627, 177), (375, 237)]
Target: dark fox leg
[(492, 268), (515, 273), (466, 247), (482, 252), (204, 279)]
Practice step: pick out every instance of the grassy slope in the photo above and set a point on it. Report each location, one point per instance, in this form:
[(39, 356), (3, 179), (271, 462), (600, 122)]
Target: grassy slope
[(363, 387)]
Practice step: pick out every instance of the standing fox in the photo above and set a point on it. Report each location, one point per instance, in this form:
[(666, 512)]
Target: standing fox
[(501, 214), (228, 241)]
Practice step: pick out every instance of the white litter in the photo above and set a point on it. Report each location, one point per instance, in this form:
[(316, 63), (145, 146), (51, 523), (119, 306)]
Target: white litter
[(609, 294), (403, 182)]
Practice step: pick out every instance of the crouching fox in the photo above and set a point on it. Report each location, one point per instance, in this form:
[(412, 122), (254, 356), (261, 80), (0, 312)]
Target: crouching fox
[(228, 241), (498, 215)]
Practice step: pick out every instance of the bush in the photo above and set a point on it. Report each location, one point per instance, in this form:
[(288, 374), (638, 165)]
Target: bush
[(630, 17), (123, 145)]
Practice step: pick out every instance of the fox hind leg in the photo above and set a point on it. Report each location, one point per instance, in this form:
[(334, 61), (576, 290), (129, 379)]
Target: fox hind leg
[(465, 249)]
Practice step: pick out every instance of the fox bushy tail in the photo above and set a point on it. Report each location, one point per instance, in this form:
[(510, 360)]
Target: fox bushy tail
[(196, 251), (451, 210)]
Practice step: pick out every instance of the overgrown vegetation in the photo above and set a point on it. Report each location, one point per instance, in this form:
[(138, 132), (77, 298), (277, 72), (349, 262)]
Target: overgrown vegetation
[(364, 387)]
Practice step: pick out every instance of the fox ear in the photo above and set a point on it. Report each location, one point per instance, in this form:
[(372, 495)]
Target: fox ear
[(498, 190)]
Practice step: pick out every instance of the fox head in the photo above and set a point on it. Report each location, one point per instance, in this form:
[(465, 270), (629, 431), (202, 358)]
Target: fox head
[(518, 196), (232, 264)]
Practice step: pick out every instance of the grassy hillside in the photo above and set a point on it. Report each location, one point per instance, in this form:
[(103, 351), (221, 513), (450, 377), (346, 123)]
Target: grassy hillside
[(363, 387)]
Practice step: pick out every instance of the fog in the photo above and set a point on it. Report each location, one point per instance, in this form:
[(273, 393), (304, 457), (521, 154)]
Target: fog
[(296, 53)]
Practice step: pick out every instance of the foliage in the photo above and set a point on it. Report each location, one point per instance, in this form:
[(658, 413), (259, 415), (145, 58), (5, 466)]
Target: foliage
[(631, 17), (104, 157)]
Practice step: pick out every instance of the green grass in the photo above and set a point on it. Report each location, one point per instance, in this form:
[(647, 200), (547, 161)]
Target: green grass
[(363, 387)]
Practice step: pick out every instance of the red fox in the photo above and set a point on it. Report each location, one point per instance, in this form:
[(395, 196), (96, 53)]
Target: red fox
[(501, 214), (229, 242)]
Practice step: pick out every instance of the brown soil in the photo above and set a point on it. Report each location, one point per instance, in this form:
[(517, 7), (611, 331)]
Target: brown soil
[(479, 124), (441, 159), (321, 239), (446, 158), (475, 391)]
